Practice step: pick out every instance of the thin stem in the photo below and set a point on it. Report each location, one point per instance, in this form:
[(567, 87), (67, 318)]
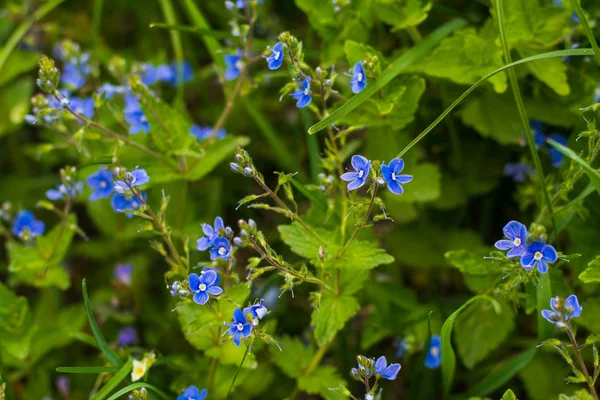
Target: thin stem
[(577, 351), (362, 222), (238, 370), (211, 374), (586, 27)]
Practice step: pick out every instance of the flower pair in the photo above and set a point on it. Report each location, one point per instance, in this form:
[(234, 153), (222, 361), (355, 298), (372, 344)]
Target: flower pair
[(241, 327), (219, 246), (562, 310), (391, 174)]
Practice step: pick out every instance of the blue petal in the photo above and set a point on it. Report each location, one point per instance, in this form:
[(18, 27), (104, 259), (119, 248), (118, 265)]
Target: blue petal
[(237, 338), (391, 371), (54, 194), (304, 101), (202, 394), (239, 317), (191, 391), (516, 251), (214, 290), (513, 229), (355, 184), (542, 267), (359, 162), (386, 172), (247, 330), (219, 224), (395, 187), (201, 297), (208, 230), (547, 314), (573, 303), (527, 261), (194, 281), (380, 365), (203, 244), (209, 277), (140, 177), (349, 176), (549, 254), (504, 244), (403, 178), (397, 165)]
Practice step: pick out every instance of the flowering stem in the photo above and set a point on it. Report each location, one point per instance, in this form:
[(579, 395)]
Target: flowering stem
[(577, 351), (238, 370), (362, 222)]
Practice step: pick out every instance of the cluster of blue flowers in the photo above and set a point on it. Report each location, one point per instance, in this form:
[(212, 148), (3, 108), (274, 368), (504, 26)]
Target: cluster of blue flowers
[(245, 320), (102, 187), (215, 239), (563, 310), (204, 285), (64, 191), (536, 254), (76, 66), (391, 174)]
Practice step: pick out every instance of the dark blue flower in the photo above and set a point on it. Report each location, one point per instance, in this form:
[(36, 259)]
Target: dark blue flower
[(101, 183), (72, 76), (257, 310), (275, 59), (186, 73), (386, 371), (538, 254), (556, 156), (234, 65), (137, 177), (204, 285), (239, 327), (562, 311), (110, 90), (123, 273), (192, 393), (210, 234), (221, 249), (83, 107), (127, 336), (205, 132), (303, 95), (62, 191), (26, 226), (121, 203), (537, 130), (434, 354), (391, 174), (518, 171), (359, 176), (516, 232), (359, 79)]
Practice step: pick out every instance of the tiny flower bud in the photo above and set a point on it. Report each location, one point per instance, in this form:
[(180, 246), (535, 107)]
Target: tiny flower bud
[(238, 241), (239, 158), (321, 188), (65, 102), (248, 171), (252, 224), (228, 231), (235, 167)]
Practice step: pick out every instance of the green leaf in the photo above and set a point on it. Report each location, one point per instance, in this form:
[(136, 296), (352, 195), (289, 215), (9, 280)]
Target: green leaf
[(540, 377), (479, 274), (357, 52), (333, 313), (21, 61), (543, 295), (321, 381), (86, 370), (110, 355), (593, 174), (592, 272), (386, 77), (114, 381), (294, 356), (195, 30), (552, 72), (509, 395), (426, 185), (402, 14), (15, 103), (15, 324)]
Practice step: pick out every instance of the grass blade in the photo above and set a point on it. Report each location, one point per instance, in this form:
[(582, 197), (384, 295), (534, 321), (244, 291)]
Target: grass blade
[(114, 381), (87, 370), (191, 29), (213, 46), (401, 63), (18, 34), (593, 174), (312, 143), (110, 355), (138, 385), (169, 13), (586, 27), (448, 356)]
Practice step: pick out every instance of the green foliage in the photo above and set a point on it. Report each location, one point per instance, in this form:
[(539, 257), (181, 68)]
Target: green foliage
[(592, 273)]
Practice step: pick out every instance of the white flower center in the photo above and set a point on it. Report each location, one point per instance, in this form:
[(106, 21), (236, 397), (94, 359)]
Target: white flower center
[(393, 176), (538, 255), (222, 250), (359, 77), (143, 118), (202, 287), (240, 326), (361, 173), (239, 64), (306, 91), (435, 351), (517, 242), (276, 55), (102, 185)]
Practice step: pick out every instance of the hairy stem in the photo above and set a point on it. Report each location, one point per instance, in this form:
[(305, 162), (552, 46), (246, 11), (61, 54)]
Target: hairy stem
[(362, 222), (577, 351)]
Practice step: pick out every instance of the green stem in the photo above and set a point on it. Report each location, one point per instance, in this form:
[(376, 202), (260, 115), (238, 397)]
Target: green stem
[(170, 17), (586, 27), (238, 370), (577, 351), (362, 222)]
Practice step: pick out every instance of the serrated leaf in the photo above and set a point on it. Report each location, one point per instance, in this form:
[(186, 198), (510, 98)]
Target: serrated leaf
[(552, 72), (15, 324), (509, 395), (293, 357), (335, 310), (402, 14), (321, 381), (592, 272), (357, 52)]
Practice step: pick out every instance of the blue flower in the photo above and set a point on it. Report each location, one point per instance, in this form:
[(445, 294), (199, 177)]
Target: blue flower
[(204, 285), (556, 156), (359, 176), (63, 191), (234, 65), (164, 73), (239, 327), (518, 171), (434, 354), (516, 232), (597, 94), (210, 234), (205, 132), (137, 177), (127, 336), (403, 345), (303, 95), (257, 310), (148, 74), (174, 288), (540, 254), (562, 311), (186, 73), (123, 273), (386, 371), (221, 249), (359, 79), (537, 130), (72, 76), (84, 107), (121, 203), (26, 226), (110, 90), (391, 174), (192, 393), (137, 122), (275, 60), (101, 183)]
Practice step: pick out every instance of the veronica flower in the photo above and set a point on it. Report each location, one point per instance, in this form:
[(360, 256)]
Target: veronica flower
[(210, 234), (556, 156), (239, 327), (72, 76), (275, 59), (101, 183), (127, 336), (123, 273), (303, 95), (137, 177), (434, 354), (358, 177), (234, 65), (391, 174), (138, 122), (204, 285), (26, 226), (148, 74), (386, 372), (186, 73), (562, 311), (164, 73), (121, 203), (221, 249), (538, 254), (257, 310), (516, 233), (192, 393), (205, 132), (110, 90), (537, 130), (62, 191), (83, 107), (518, 171), (359, 79)]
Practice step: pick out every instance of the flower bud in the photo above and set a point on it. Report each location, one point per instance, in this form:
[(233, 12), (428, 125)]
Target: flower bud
[(48, 75), (235, 167), (248, 171)]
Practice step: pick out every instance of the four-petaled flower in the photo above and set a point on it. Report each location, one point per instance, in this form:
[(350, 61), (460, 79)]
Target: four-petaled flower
[(221, 249), (203, 285), (391, 174), (122, 203), (359, 79), (192, 393), (434, 354), (359, 176), (257, 310), (110, 90), (174, 288), (134, 115), (234, 65), (562, 311), (72, 76), (303, 94), (386, 371), (538, 254), (211, 233), (205, 132), (275, 60), (26, 226), (137, 177), (516, 232), (127, 336), (101, 183), (83, 107), (240, 327)]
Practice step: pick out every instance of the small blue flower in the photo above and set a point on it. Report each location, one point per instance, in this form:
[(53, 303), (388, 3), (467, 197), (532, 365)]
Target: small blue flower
[(192, 393), (72, 76), (359, 79), (303, 94), (204, 285), (234, 65), (403, 346), (575, 18), (386, 372), (434, 354), (101, 183), (131, 104), (137, 177), (275, 60), (516, 232), (239, 327), (127, 336), (110, 90), (562, 311), (174, 288), (391, 174), (538, 254), (359, 176), (257, 310), (517, 171), (137, 122), (556, 156), (221, 249), (205, 132), (62, 191), (123, 273), (148, 74), (83, 107), (210, 234), (186, 73), (121, 203), (164, 73), (26, 226), (597, 94), (537, 130)]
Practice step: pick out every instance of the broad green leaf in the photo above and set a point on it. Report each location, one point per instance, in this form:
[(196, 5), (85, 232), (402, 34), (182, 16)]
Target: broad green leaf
[(15, 103), (321, 381), (592, 273), (333, 313), (593, 174), (294, 356), (552, 72), (402, 14), (509, 395), (15, 325), (358, 52), (425, 187), (56, 332), (543, 295), (588, 318), (540, 377), (21, 61), (479, 274)]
